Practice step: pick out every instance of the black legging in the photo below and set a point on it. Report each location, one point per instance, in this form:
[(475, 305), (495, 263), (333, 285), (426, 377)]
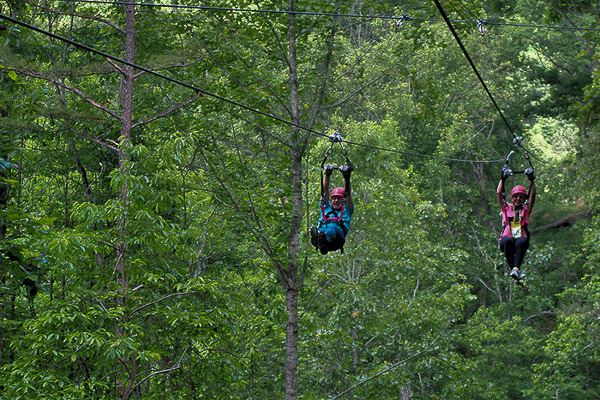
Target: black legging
[(514, 250)]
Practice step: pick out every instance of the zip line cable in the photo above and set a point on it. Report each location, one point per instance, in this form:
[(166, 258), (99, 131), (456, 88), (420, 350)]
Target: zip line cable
[(157, 74), (204, 92), (251, 10), (464, 50), (516, 140), (568, 28), (401, 18)]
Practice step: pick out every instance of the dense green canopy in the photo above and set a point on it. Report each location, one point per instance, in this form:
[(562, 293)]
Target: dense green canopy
[(160, 167)]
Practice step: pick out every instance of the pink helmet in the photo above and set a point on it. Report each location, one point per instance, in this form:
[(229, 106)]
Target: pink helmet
[(518, 189), (338, 191)]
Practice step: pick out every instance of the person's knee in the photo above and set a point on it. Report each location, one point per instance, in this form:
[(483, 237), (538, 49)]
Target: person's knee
[(333, 234), (506, 243), (337, 243), (522, 243)]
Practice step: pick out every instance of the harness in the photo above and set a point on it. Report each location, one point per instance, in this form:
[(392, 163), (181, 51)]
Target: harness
[(518, 217), (337, 219)]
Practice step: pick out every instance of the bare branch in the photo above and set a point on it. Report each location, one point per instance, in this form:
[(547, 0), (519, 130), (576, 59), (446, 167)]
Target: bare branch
[(539, 314), (253, 224), (563, 222), (222, 202), (362, 87), (265, 131), (170, 111), (71, 89), (319, 291), (274, 93), (159, 300), (320, 92), (486, 286), (115, 66), (175, 367), (82, 16), (100, 142), (102, 305), (392, 366), (414, 294), (184, 65)]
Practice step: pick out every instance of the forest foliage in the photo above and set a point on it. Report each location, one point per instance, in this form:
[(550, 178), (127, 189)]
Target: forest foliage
[(160, 167)]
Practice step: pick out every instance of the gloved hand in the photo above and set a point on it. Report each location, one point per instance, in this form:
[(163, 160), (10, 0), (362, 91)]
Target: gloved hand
[(530, 174), (328, 169), (506, 173), (346, 171)]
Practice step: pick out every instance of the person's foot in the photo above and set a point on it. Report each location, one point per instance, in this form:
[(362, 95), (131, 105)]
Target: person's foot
[(516, 274), (322, 242), (314, 235)]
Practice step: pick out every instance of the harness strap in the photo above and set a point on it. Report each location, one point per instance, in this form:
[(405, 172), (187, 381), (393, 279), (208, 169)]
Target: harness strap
[(337, 219), (518, 218)]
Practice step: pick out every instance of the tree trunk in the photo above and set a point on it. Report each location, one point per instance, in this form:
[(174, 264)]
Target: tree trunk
[(297, 149), (4, 193), (126, 97), (354, 335)]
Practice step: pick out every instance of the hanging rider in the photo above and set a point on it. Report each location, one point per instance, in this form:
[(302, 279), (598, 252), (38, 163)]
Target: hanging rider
[(334, 222), (514, 239)]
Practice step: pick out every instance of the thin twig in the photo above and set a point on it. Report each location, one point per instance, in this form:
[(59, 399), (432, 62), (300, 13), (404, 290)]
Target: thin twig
[(162, 371), (389, 368), (159, 300), (167, 112), (72, 90), (314, 297)]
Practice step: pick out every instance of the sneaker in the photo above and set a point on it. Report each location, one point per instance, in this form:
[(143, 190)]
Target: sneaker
[(322, 242), (516, 274), (314, 234)]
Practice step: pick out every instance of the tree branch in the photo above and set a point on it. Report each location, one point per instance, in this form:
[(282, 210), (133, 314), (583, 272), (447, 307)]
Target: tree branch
[(184, 65), (158, 301), (72, 90), (231, 45), (315, 297), (100, 142), (170, 111), (390, 367), (162, 371), (539, 314), (563, 222), (82, 16), (362, 87)]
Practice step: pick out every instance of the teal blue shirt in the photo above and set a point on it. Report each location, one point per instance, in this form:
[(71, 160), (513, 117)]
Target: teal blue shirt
[(335, 214)]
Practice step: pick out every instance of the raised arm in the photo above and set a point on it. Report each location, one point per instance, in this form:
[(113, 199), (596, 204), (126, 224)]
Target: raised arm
[(327, 182), (500, 192), (531, 176), (346, 172)]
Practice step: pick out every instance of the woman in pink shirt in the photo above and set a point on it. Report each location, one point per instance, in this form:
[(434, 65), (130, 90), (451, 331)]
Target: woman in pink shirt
[(514, 239)]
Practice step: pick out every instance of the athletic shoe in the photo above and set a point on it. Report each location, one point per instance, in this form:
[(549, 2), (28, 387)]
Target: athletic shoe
[(314, 235), (516, 274), (322, 242)]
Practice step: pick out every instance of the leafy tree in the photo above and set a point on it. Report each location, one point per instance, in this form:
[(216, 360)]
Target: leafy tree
[(152, 235)]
